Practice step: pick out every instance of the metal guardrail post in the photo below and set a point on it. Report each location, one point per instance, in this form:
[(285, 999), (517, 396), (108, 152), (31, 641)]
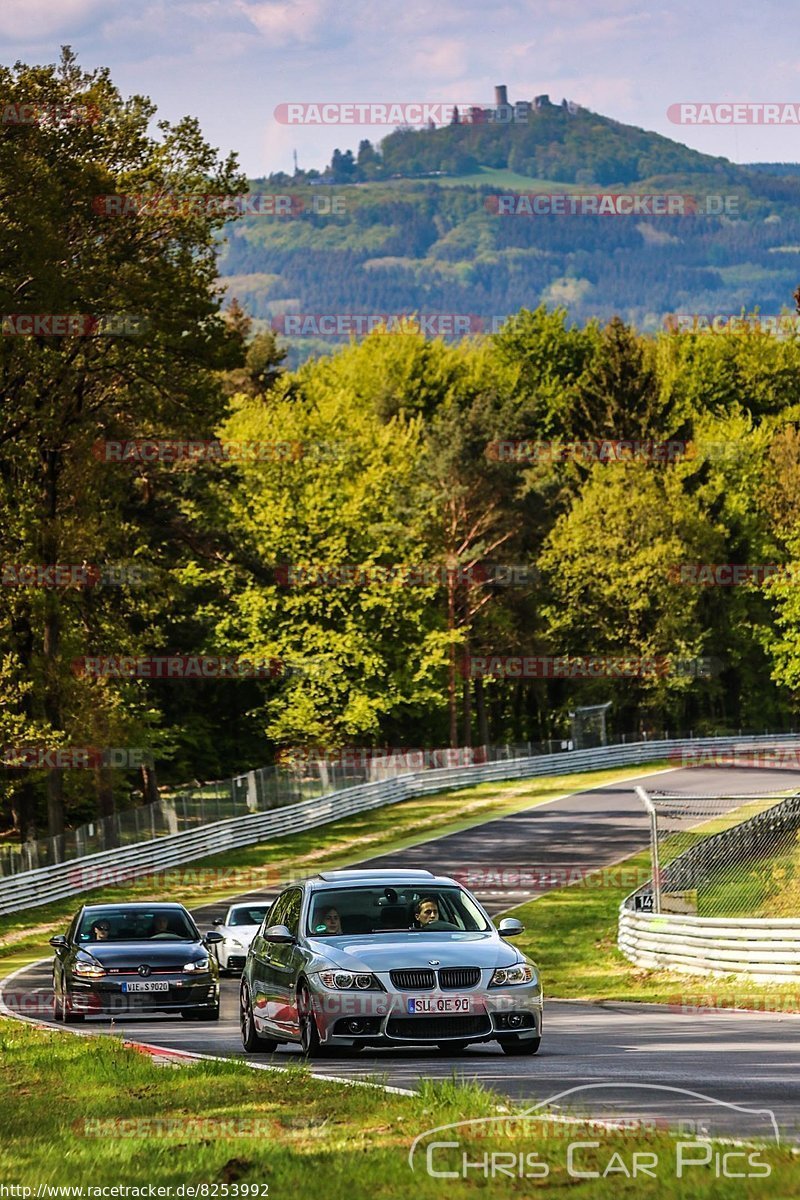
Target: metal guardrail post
[(654, 855)]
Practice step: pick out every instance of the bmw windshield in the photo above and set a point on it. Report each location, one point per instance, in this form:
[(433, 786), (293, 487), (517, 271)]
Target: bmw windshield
[(369, 910)]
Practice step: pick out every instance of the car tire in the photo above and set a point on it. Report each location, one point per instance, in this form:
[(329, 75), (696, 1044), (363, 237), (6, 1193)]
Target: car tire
[(309, 1031), (58, 1012), (252, 1042), (523, 1046), (200, 1014), (69, 1016)]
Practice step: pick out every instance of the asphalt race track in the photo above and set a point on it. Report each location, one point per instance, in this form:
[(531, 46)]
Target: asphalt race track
[(636, 1053)]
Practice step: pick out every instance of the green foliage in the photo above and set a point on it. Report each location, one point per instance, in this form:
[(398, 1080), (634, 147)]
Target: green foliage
[(387, 466)]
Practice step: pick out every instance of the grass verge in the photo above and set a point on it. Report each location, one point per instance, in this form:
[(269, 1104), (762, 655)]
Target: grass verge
[(113, 1117)]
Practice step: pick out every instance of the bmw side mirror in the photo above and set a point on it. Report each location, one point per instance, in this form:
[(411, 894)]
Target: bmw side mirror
[(59, 942), (279, 934), (212, 937), (510, 927)]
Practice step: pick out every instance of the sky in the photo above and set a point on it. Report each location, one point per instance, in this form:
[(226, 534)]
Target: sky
[(230, 63)]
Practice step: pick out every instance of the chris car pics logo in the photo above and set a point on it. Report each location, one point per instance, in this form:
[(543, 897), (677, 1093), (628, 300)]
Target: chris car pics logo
[(541, 1141)]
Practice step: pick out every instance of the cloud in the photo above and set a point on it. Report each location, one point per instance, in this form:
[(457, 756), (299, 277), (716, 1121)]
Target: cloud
[(287, 21), (34, 20), (439, 59)]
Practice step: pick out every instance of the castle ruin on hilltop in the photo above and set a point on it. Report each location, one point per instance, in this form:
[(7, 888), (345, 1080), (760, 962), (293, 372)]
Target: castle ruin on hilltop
[(510, 114)]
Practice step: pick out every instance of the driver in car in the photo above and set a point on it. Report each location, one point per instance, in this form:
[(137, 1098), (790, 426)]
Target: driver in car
[(426, 912)]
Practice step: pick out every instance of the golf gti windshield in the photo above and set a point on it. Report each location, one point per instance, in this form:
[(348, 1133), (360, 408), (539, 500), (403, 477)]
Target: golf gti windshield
[(368, 910), (136, 925)]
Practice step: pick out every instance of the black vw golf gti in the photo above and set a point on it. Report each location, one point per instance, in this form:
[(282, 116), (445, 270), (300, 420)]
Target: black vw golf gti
[(122, 958)]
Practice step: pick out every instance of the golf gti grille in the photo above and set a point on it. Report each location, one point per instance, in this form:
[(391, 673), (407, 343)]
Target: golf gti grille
[(417, 1029), (420, 979), (459, 977)]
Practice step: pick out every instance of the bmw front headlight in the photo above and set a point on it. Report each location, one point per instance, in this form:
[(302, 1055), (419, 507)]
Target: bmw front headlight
[(508, 976), (350, 981)]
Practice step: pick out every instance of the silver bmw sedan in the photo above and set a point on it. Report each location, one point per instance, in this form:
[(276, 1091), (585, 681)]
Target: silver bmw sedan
[(386, 958)]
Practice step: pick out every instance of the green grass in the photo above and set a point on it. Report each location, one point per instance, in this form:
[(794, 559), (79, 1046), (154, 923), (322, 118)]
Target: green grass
[(338, 844), (769, 887), (97, 1113)]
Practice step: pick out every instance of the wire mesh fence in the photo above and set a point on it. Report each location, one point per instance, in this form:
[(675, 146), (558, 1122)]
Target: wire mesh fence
[(723, 855)]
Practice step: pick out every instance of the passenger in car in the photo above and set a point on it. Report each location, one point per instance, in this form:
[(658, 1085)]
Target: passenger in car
[(332, 922)]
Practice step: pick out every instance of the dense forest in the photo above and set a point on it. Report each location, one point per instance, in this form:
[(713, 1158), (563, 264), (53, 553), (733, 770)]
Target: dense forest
[(370, 522)]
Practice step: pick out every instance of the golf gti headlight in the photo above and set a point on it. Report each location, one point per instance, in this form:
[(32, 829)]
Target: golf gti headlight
[(508, 976), (87, 968), (199, 964), (350, 981)]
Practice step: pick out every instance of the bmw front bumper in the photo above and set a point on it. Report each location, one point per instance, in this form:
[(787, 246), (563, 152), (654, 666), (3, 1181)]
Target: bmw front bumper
[(351, 1018)]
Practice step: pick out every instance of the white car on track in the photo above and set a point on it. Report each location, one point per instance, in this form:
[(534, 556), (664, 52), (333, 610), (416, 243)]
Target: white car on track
[(238, 928)]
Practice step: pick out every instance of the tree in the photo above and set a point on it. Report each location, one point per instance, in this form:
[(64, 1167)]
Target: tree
[(138, 359)]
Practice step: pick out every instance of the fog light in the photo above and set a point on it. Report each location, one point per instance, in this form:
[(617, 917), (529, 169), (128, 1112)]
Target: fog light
[(354, 1026), (514, 1020)]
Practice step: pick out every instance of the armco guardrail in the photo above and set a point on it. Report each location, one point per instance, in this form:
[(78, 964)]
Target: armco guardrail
[(31, 888), (763, 947)]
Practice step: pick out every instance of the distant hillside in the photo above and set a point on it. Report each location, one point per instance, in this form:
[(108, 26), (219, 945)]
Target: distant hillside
[(428, 237), (789, 169), (553, 143)]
